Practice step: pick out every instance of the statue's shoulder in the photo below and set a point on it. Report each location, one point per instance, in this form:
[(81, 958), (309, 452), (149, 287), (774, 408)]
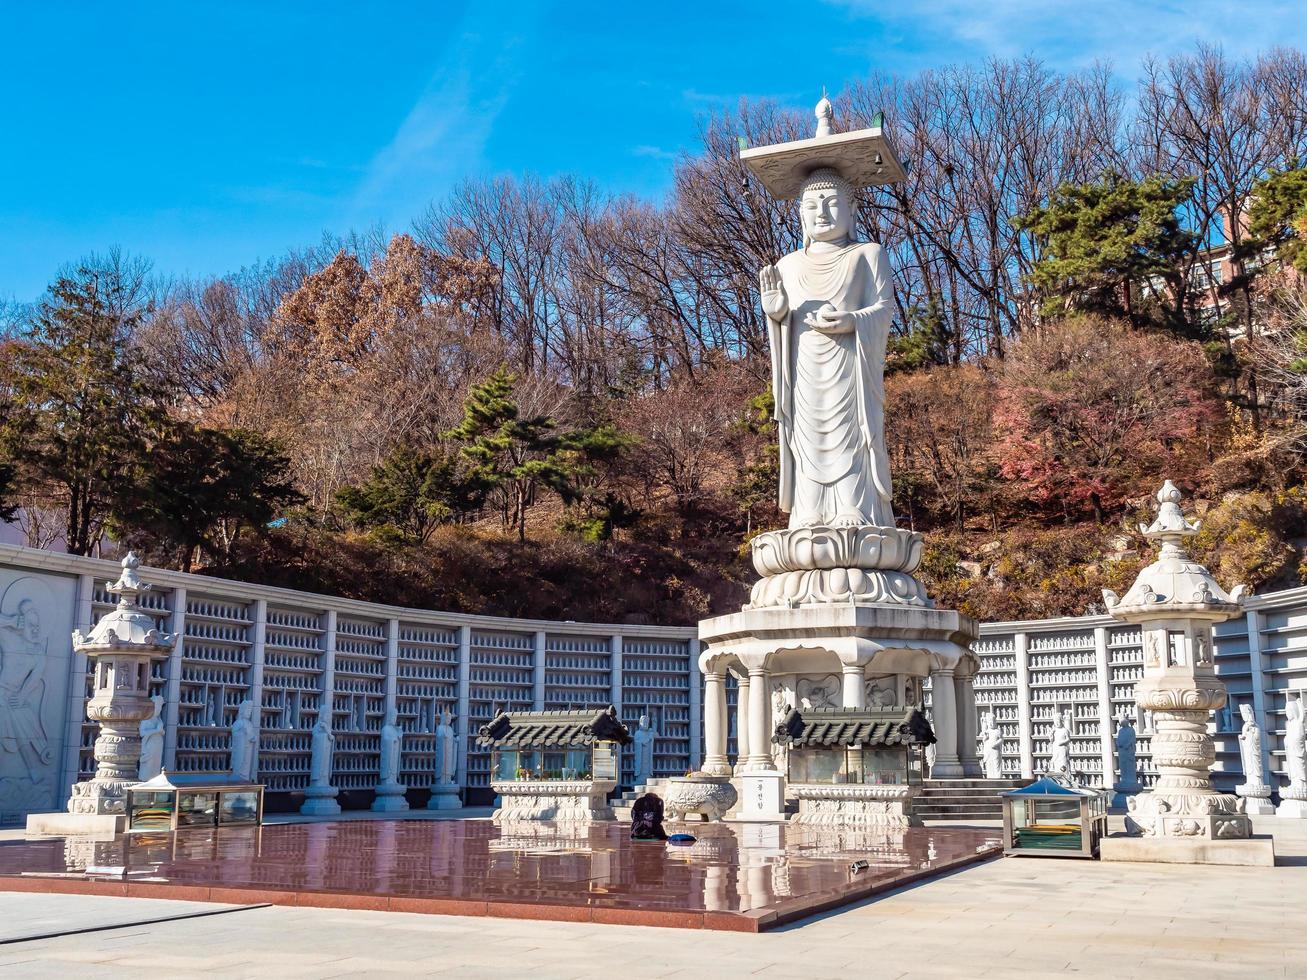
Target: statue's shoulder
[(789, 260), (867, 251)]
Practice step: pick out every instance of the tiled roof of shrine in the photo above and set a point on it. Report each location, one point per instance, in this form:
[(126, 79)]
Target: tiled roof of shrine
[(849, 727), (541, 729)]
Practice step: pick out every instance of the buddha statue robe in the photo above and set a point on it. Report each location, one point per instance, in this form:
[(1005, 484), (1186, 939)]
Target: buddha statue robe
[(829, 387)]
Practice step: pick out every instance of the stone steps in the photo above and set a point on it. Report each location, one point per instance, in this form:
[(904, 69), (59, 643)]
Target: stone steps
[(963, 799), (622, 805)]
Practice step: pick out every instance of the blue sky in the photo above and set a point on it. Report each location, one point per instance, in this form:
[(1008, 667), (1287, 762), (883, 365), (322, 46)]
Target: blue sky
[(208, 136)]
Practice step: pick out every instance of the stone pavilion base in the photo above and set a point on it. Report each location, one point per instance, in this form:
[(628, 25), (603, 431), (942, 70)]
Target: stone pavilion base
[(1257, 806), (1251, 851), (444, 796), (761, 798), (1293, 809), (562, 801), (64, 824), (854, 805), (320, 801), (845, 628), (390, 798)]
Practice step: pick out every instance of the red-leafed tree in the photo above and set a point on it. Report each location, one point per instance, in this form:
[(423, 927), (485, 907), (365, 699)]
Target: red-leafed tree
[(1089, 412)]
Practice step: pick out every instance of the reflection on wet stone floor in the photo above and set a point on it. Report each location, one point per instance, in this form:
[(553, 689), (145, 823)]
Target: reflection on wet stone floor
[(736, 876)]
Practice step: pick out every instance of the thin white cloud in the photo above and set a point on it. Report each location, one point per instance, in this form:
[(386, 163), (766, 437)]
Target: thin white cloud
[(656, 152), (444, 135), (1076, 34)]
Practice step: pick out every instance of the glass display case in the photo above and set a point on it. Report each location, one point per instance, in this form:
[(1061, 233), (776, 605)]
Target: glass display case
[(1054, 818), (899, 765), (866, 746), (520, 764), (180, 803)]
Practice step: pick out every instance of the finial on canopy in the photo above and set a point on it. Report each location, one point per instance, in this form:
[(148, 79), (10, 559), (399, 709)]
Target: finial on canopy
[(825, 113)]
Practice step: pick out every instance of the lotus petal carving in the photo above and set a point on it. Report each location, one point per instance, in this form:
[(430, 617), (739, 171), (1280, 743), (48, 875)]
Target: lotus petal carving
[(807, 548), (845, 585)]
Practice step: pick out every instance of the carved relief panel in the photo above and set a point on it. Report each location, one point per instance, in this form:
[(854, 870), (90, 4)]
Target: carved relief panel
[(35, 649)]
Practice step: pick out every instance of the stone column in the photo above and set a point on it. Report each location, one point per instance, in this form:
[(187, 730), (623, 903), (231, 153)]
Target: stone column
[(944, 711), (696, 705), (615, 646), (715, 762), (743, 732), (75, 710), (854, 696), (1025, 729), (1106, 731), (538, 671), (855, 686), (463, 723), (1260, 684), (173, 692), (258, 657), (759, 759), (964, 691)]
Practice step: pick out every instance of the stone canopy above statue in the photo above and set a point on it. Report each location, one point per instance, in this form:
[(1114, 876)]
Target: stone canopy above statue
[(863, 157)]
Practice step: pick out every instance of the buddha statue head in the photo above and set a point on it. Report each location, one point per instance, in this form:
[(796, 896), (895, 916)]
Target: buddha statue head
[(827, 207)]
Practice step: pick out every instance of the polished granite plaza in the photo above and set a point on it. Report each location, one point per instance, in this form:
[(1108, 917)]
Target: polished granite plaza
[(744, 877)]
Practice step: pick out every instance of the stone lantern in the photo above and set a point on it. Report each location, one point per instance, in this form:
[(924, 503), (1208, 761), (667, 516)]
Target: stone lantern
[(1176, 602), (121, 646)]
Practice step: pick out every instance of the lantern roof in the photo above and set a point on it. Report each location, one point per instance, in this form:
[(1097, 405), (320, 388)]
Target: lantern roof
[(127, 628), (1174, 584)]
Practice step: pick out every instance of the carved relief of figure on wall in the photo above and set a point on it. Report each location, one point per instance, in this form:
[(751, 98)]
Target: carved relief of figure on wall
[(820, 692), (882, 692), (23, 652)]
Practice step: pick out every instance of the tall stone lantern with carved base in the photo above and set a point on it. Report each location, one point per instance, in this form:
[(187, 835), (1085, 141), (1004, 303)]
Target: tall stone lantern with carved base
[(122, 646), (1176, 602)]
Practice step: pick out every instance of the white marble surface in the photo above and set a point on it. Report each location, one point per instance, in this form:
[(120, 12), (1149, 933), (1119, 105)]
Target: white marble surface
[(35, 654)]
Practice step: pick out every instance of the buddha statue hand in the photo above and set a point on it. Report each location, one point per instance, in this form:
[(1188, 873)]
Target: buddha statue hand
[(830, 320), (774, 302)]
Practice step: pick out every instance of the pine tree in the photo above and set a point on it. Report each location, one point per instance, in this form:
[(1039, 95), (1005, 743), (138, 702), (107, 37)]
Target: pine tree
[(1107, 242), (517, 456), (1277, 218), (412, 492), (202, 488), (82, 398), (8, 486)]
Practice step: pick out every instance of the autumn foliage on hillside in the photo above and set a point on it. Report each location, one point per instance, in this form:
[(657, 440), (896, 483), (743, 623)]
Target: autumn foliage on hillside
[(546, 400)]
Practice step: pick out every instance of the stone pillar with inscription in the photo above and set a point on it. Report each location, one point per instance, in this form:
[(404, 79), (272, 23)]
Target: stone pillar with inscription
[(1175, 601)]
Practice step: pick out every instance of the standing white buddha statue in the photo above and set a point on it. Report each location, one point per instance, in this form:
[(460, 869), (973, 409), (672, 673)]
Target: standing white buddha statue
[(991, 738), (320, 795), (245, 743), (643, 739), (444, 792), (829, 307), (1254, 789), (1060, 758), (1293, 797), (152, 733), (390, 791)]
